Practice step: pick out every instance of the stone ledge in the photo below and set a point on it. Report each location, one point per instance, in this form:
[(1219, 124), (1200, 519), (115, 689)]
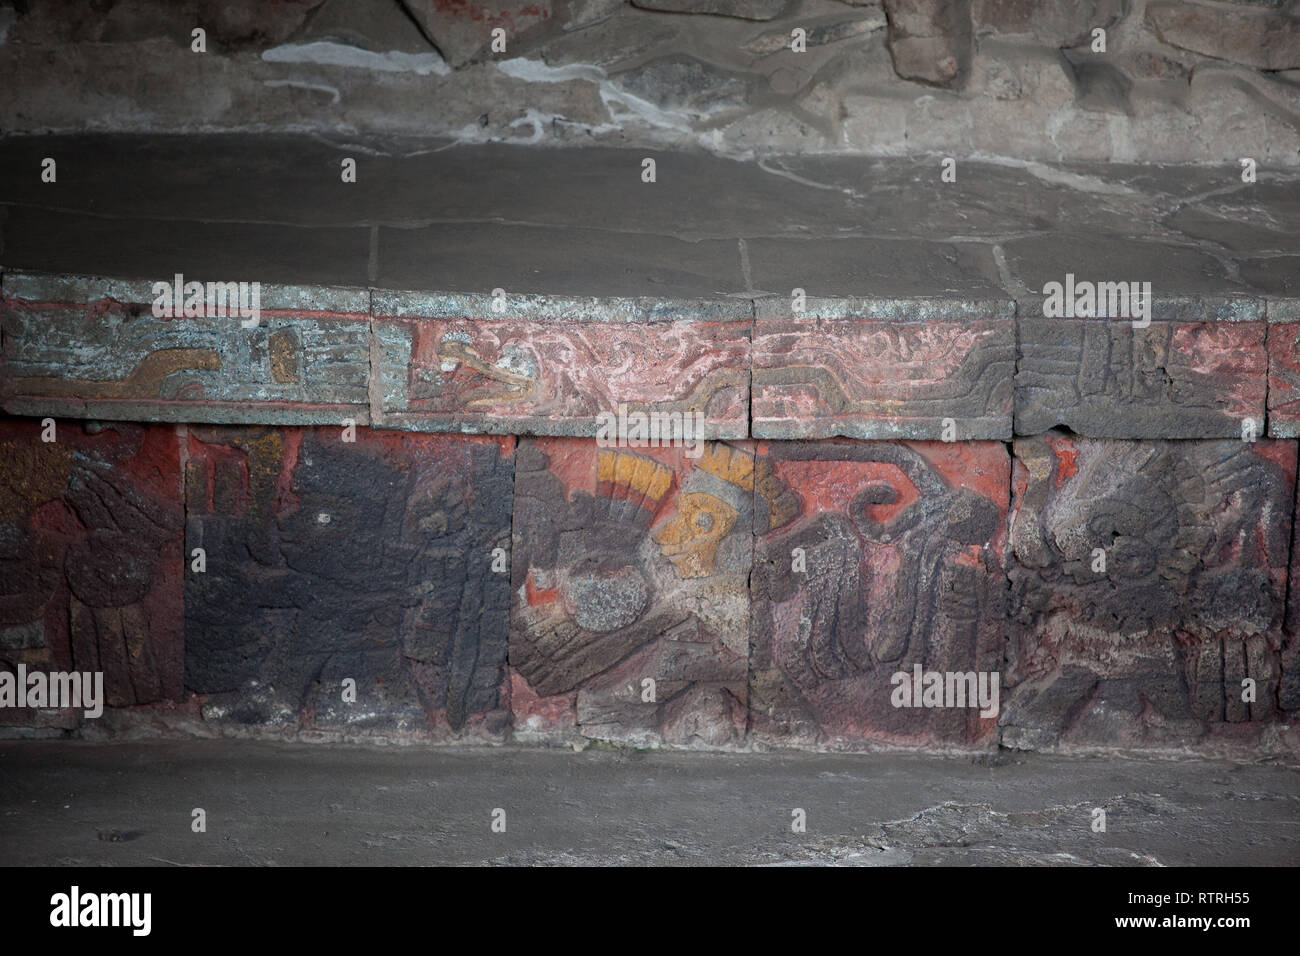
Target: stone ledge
[(549, 308), (859, 367)]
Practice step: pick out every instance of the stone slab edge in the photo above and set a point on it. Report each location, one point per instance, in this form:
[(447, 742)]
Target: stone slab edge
[(909, 309), (51, 287), (389, 305), (1168, 308)]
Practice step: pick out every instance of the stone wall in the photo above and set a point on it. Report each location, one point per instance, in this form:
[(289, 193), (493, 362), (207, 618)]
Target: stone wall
[(410, 492), (1151, 81)]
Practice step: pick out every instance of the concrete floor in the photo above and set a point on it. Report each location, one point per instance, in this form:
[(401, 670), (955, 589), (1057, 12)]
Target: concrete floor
[(72, 803)]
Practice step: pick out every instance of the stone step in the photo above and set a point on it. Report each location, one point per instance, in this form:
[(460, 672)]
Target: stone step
[(795, 298)]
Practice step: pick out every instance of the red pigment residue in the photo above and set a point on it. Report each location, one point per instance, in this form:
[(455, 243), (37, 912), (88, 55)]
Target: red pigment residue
[(58, 518), (538, 713), (982, 466), (209, 457), (156, 467), (1066, 454), (830, 486), (1282, 453), (574, 462), (536, 596), (285, 499)]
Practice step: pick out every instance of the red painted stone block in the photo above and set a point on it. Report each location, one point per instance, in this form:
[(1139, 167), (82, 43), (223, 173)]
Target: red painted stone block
[(881, 557), (91, 557), (556, 377), (630, 604), (883, 378)]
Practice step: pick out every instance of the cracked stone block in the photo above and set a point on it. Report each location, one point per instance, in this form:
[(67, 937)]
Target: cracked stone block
[(1100, 87), (253, 21), (556, 377), (1147, 583), (1259, 37), (94, 349), (1103, 378), (930, 40), (91, 558), (58, 22), (879, 559), (631, 566), (462, 29), (328, 560), (379, 26), (1284, 369), (880, 377), (819, 32), (1058, 25), (679, 82)]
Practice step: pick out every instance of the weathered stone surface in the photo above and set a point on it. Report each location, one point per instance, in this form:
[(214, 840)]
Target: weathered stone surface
[(555, 377), (930, 40), (328, 560), (1266, 39), (1055, 23), (744, 9), (50, 22), (253, 21), (895, 374), (632, 565), (462, 29), (1284, 369), (1103, 378), (819, 32), (93, 348), (1152, 647), (91, 558), (684, 82), (903, 548), (380, 26), (1100, 86)]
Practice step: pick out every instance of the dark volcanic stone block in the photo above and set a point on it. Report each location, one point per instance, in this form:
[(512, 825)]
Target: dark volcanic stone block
[(91, 555), (370, 560), (631, 566), (1103, 378), (1289, 692), (901, 546), (1151, 647)]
